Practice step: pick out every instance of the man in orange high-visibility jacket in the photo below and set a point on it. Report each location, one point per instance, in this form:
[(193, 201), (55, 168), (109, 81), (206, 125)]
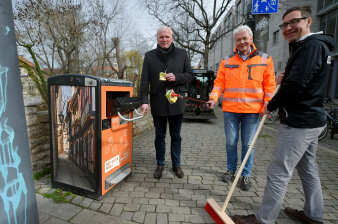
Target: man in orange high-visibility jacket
[(247, 80)]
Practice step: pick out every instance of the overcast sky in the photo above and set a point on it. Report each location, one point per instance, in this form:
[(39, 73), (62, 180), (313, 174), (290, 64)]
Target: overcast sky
[(142, 21)]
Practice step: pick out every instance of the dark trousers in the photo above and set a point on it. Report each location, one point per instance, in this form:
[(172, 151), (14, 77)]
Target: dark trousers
[(175, 124)]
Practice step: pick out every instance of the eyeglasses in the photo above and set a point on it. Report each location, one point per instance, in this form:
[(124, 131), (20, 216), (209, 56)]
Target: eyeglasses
[(292, 23)]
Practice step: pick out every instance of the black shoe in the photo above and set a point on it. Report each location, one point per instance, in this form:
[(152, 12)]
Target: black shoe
[(158, 172), (229, 176), (245, 219), (245, 183), (299, 216), (178, 172)]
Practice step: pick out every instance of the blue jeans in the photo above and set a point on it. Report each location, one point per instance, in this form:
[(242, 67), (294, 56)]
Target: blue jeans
[(248, 122), (175, 124)]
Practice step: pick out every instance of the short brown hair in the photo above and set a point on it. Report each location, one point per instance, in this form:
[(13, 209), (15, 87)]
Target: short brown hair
[(304, 10)]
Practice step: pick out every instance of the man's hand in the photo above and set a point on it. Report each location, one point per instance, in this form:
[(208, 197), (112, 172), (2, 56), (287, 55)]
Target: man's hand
[(170, 77), (266, 111), (280, 78), (211, 104), (144, 108)]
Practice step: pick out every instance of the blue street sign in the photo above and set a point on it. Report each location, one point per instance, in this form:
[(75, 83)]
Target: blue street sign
[(264, 6)]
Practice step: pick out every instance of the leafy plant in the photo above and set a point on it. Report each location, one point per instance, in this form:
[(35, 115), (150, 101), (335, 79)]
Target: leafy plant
[(44, 172), (60, 196)]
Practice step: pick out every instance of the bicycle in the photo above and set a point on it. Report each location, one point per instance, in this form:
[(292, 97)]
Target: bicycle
[(332, 120)]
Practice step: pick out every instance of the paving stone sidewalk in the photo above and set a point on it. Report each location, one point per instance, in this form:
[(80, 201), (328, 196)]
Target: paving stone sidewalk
[(143, 199)]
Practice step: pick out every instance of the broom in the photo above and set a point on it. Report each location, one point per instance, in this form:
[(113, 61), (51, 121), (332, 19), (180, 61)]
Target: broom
[(217, 213)]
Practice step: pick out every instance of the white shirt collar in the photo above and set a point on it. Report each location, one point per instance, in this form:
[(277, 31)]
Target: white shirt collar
[(309, 34)]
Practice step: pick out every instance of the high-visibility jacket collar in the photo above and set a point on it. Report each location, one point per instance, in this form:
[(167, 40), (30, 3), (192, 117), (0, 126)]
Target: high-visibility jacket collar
[(252, 53)]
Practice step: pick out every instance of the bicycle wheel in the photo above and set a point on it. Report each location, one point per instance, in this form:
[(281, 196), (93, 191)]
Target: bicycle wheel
[(274, 117), (323, 133)]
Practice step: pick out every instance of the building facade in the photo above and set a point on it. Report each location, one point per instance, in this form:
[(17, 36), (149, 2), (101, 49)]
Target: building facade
[(268, 37)]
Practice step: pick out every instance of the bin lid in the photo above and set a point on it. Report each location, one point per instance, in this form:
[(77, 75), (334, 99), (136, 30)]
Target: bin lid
[(86, 80)]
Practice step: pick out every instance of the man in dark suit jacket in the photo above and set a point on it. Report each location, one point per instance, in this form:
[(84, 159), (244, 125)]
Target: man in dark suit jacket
[(175, 64)]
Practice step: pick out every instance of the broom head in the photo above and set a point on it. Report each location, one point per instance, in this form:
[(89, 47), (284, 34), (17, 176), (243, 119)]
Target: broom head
[(215, 212)]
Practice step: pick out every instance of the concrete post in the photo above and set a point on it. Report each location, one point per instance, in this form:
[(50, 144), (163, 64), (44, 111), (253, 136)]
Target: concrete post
[(17, 194)]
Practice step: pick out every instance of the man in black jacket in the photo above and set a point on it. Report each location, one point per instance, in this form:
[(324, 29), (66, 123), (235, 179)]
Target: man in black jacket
[(302, 116), (164, 68)]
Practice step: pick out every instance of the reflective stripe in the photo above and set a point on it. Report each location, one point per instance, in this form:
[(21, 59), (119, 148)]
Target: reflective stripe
[(243, 90), (242, 100), (264, 57), (214, 94), (217, 88), (226, 61), (268, 94)]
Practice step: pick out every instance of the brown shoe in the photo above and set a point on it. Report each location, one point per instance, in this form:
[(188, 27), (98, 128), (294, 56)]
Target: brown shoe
[(245, 219), (178, 172), (299, 216), (158, 172)]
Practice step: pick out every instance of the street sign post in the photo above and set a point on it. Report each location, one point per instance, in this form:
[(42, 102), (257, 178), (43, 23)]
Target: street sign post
[(264, 6)]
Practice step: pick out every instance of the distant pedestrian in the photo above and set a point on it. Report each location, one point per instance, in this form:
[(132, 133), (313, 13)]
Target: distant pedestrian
[(302, 117), (247, 80), (166, 67)]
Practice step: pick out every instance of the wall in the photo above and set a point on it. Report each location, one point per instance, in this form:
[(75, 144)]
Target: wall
[(37, 122), (142, 124)]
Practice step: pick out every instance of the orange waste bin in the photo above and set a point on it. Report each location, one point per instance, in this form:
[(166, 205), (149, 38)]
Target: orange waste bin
[(90, 132)]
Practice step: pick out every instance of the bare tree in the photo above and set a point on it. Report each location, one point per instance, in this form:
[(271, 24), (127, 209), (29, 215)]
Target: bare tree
[(192, 21), (77, 36), (54, 30), (106, 36)]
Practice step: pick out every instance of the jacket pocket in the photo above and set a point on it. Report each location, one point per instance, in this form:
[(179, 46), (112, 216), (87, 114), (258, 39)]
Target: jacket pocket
[(255, 72), (232, 72)]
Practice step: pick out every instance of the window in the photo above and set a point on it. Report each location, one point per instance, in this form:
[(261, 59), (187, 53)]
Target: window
[(326, 4), (275, 38), (320, 5), (245, 7), (226, 25), (332, 23), (230, 22), (329, 25), (239, 12)]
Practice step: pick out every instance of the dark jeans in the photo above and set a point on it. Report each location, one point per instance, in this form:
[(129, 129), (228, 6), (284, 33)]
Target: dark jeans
[(175, 124)]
